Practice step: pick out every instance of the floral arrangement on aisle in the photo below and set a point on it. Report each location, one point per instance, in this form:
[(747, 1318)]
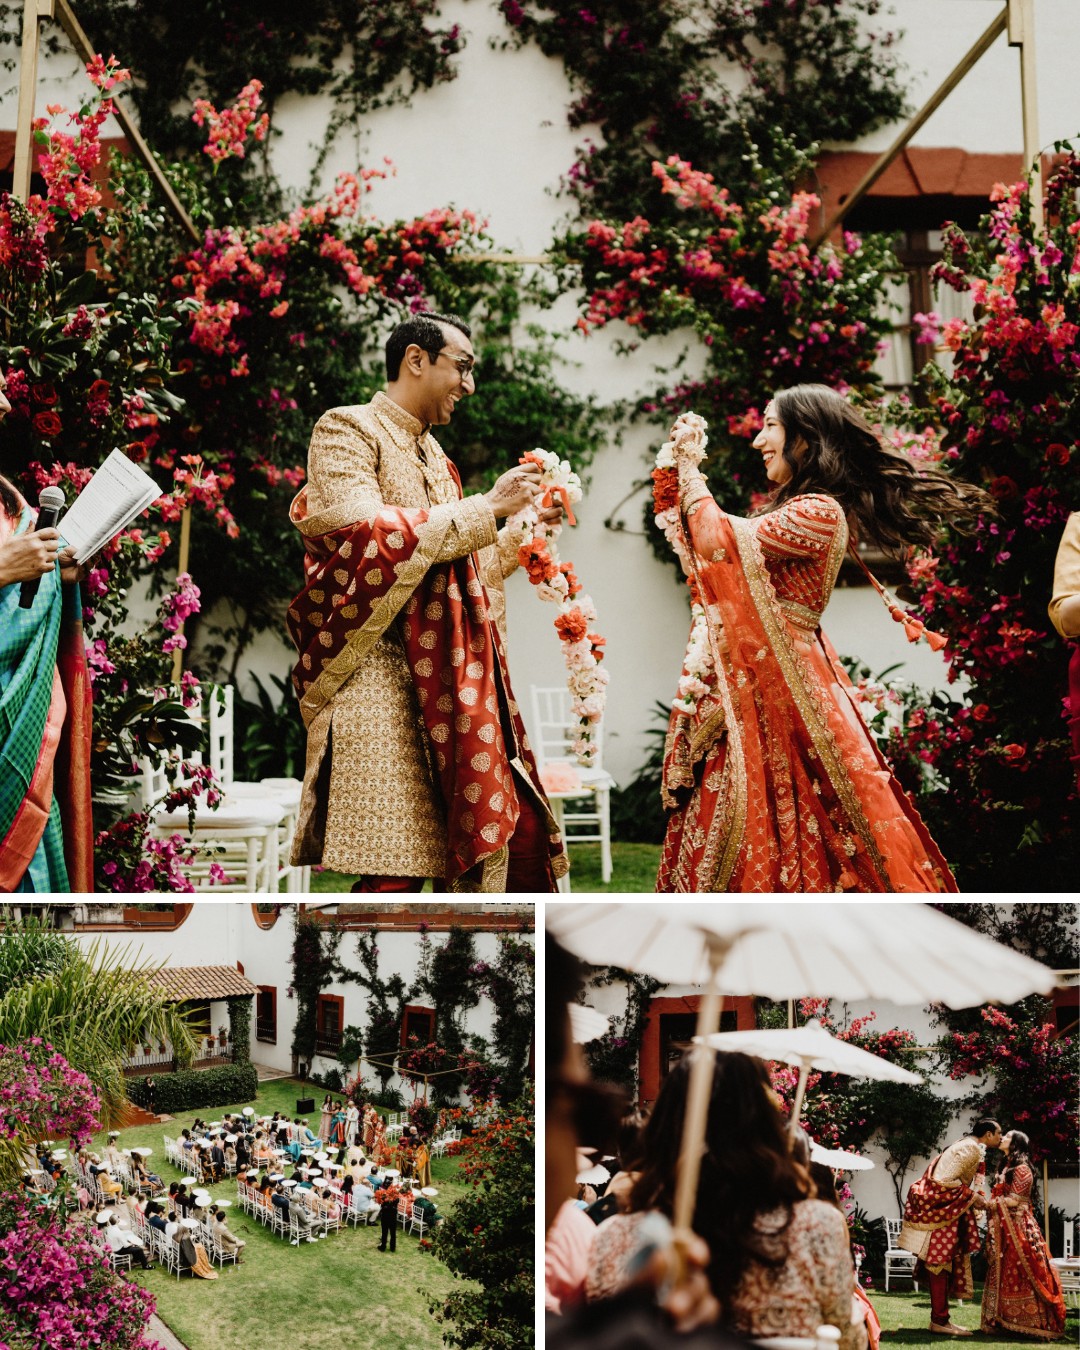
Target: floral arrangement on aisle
[(557, 583), (689, 439)]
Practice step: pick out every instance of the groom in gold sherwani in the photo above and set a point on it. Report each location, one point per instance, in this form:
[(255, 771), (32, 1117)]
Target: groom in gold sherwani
[(417, 765)]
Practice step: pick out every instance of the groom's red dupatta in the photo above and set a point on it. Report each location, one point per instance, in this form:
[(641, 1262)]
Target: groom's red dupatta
[(360, 578)]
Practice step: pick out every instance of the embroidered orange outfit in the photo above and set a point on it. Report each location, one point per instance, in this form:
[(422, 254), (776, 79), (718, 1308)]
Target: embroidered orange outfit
[(1022, 1290), (773, 781)]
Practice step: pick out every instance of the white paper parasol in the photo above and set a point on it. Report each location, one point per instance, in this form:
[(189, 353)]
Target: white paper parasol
[(811, 1047), (839, 1159), (587, 1024)]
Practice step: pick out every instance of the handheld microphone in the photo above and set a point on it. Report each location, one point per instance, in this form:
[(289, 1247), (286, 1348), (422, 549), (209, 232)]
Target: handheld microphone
[(50, 504)]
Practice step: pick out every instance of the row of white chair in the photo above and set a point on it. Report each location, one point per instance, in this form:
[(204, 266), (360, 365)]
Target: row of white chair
[(250, 833)]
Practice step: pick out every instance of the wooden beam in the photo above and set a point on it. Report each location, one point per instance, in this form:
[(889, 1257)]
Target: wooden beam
[(1022, 35), (85, 51), (989, 37), (33, 12)]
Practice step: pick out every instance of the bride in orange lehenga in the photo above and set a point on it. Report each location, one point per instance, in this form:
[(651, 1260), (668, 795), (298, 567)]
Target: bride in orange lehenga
[(772, 780), (1022, 1291)]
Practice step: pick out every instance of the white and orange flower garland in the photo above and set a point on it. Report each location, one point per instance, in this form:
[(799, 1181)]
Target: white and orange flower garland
[(688, 442), (556, 583)]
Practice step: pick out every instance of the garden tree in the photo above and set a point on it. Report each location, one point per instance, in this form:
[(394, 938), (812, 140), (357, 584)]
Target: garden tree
[(363, 56), (905, 1120), (352, 1047), (613, 1057), (910, 1119), (56, 1289), (487, 1239), (992, 769), (314, 962), (93, 1004), (1027, 1073), (659, 77), (510, 984), (240, 1027), (385, 1004), (770, 311), (446, 977)]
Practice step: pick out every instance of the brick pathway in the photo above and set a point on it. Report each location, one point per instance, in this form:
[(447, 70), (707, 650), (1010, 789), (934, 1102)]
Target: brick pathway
[(164, 1337)]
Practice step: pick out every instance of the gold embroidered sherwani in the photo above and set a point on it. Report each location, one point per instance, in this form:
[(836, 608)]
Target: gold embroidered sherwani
[(958, 1166), (376, 805)]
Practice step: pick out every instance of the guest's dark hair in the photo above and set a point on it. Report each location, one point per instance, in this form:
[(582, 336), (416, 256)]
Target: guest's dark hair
[(628, 1141), (9, 499), (747, 1169), (890, 501), (984, 1125), (420, 330)]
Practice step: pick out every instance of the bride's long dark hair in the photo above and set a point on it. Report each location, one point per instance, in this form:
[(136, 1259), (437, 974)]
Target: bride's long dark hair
[(888, 500)]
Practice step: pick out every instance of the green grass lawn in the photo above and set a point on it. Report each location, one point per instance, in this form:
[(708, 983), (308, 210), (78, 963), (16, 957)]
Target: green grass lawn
[(905, 1320), (335, 1293), (633, 868)]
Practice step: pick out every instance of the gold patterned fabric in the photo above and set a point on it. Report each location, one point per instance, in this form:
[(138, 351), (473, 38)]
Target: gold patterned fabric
[(1066, 575), (371, 801)]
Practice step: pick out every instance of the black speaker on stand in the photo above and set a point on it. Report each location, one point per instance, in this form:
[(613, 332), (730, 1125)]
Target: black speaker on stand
[(304, 1105)]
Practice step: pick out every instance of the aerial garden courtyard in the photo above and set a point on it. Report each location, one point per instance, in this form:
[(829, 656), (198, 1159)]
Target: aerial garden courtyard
[(78, 1018)]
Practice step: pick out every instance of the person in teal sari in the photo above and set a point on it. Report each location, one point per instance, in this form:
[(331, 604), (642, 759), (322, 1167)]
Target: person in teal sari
[(46, 834)]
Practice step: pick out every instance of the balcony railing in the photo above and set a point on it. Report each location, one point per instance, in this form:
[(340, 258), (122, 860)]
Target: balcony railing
[(209, 1050), (328, 1043), (266, 1031)]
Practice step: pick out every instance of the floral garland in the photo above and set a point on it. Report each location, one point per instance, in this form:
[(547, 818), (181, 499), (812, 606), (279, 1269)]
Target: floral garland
[(556, 583), (688, 442)]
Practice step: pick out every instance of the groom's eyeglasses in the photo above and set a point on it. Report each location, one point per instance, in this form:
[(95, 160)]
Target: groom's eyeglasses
[(465, 365)]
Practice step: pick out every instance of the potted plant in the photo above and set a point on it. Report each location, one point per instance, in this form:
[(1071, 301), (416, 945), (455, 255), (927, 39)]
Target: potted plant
[(223, 1036), (146, 1049)]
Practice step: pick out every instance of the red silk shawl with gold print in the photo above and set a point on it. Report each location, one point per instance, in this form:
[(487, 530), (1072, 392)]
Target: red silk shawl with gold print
[(359, 579), (772, 786)]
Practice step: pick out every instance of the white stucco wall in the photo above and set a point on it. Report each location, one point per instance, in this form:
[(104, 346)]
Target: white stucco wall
[(496, 140), (223, 932)]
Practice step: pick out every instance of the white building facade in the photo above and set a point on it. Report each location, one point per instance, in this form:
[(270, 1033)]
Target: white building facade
[(258, 942)]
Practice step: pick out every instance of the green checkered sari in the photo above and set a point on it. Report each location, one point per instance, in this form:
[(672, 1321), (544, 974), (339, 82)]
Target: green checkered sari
[(28, 644)]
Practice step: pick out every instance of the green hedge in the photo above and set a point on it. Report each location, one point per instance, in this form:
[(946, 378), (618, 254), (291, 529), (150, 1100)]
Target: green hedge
[(188, 1089)]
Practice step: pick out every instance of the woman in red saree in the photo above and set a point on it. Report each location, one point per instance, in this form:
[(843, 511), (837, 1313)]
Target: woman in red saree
[(772, 780), (1022, 1292)]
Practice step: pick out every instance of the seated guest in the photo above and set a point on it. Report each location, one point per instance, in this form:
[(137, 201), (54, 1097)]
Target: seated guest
[(111, 1153), (217, 1160), (781, 1260), (124, 1243), (231, 1161), (144, 1179), (307, 1221), (109, 1185), (157, 1220), (426, 1206), (172, 1225), (243, 1151), (328, 1205), (263, 1150), (183, 1201), (363, 1200), (193, 1256), (228, 1240)]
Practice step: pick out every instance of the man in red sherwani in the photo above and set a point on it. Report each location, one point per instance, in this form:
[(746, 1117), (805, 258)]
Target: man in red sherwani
[(939, 1222)]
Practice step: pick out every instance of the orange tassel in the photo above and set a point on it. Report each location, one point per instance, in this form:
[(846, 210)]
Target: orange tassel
[(936, 640)]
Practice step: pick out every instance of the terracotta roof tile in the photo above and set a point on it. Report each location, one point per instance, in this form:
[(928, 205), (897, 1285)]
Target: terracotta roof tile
[(202, 982)]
